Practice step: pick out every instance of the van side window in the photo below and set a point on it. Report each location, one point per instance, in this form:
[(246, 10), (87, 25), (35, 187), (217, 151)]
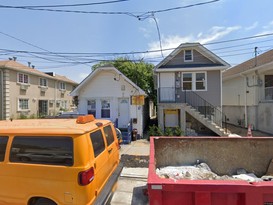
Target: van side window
[(97, 142), (42, 150), (3, 145), (109, 134)]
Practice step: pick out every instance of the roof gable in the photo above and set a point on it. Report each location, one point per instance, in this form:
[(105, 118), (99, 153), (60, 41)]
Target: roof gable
[(256, 62), (202, 58), (95, 74)]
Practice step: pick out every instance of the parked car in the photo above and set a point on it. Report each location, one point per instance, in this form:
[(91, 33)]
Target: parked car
[(58, 161)]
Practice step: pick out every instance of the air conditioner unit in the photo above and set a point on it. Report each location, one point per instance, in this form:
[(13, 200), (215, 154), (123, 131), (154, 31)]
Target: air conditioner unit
[(23, 87)]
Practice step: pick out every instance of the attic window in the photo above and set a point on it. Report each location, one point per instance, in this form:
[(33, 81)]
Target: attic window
[(188, 56)]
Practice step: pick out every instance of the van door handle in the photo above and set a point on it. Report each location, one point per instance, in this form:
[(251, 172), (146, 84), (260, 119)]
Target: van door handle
[(110, 150)]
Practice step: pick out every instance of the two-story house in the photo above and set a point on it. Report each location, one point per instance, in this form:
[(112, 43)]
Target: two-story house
[(28, 92), (248, 93), (189, 84)]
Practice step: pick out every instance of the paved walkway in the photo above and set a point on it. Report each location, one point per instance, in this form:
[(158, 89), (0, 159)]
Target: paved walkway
[(132, 181), (139, 147)]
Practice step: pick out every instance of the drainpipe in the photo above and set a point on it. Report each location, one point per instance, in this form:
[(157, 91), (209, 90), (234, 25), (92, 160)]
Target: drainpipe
[(55, 96), (246, 115)]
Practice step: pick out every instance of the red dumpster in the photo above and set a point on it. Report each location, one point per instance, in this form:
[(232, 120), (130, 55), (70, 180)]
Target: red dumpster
[(224, 155)]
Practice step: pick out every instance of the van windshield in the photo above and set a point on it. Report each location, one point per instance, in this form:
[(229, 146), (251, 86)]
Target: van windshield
[(42, 150)]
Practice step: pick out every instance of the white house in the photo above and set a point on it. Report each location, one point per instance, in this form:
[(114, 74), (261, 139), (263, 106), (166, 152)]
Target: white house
[(107, 93), (248, 93)]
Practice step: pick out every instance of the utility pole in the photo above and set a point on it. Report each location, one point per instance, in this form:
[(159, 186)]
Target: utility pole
[(255, 51)]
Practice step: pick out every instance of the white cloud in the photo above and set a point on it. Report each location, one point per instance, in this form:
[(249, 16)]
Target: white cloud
[(253, 26), (266, 29), (171, 42), (146, 32), (216, 33)]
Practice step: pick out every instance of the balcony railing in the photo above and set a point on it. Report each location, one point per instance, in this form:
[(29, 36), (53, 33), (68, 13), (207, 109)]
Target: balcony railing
[(209, 111)]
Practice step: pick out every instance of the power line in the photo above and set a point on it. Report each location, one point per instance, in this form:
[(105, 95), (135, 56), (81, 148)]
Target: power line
[(90, 58), (30, 44), (139, 52), (138, 15), (71, 5)]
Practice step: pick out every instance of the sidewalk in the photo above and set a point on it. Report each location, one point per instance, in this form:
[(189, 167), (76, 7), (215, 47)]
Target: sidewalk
[(139, 147), (132, 181)]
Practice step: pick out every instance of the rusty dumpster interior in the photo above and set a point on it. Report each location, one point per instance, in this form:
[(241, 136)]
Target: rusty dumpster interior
[(223, 155)]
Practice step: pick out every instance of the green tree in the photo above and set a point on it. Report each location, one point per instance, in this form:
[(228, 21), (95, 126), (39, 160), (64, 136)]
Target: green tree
[(141, 73)]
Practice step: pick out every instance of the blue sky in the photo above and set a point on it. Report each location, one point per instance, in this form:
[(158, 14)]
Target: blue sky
[(63, 32)]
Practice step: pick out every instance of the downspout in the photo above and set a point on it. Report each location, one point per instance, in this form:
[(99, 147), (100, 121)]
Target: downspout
[(246, 114), (245, 92), (55, 96)]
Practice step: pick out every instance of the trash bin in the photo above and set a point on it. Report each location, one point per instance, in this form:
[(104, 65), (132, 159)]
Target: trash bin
[(134, 134)]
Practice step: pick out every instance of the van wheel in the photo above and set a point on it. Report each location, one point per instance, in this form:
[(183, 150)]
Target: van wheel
[(43, 201)]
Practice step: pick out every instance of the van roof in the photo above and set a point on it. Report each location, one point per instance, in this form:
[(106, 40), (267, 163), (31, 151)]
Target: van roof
[(48, 126)]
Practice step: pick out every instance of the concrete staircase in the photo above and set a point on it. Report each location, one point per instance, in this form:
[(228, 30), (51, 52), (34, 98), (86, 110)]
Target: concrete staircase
[(209, 123)]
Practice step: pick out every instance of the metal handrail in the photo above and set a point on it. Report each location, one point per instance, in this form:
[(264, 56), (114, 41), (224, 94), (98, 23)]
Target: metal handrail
[(205, 108)]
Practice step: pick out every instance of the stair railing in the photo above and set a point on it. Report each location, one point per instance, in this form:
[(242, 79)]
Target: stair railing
[(205, 108)]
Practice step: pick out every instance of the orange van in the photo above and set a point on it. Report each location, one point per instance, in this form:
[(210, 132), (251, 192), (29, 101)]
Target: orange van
[(57, 161)]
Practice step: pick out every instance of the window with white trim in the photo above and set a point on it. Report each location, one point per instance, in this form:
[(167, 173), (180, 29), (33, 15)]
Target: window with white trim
[(43, 82), (105, 108), (22, 78), (196, 81), (91, 107), (62, 86), (188, 56), (23, 104)]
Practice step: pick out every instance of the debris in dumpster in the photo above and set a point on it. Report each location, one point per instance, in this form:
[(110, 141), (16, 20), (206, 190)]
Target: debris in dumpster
[(197, 172), (247, 177), (202, 171)]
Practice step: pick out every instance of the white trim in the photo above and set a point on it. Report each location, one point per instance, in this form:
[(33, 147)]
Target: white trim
[(18, 104), (191, 50), (60, 87), (189, 69), (76, 91), (39, 82), (193, 81), (198, 47), (18, 73)]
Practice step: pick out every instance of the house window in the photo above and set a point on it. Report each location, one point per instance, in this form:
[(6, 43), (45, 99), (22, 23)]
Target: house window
[(23, 104), (200, 81), (195, 81), (22, 78), (187, 81), (43, 82), (105, 108), (268, 84), (91, 107), (188, 55), (62, 86), (64, 105)]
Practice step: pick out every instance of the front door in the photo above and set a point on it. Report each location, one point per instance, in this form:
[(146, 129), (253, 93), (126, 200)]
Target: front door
[(123, 112), (43, 108)]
